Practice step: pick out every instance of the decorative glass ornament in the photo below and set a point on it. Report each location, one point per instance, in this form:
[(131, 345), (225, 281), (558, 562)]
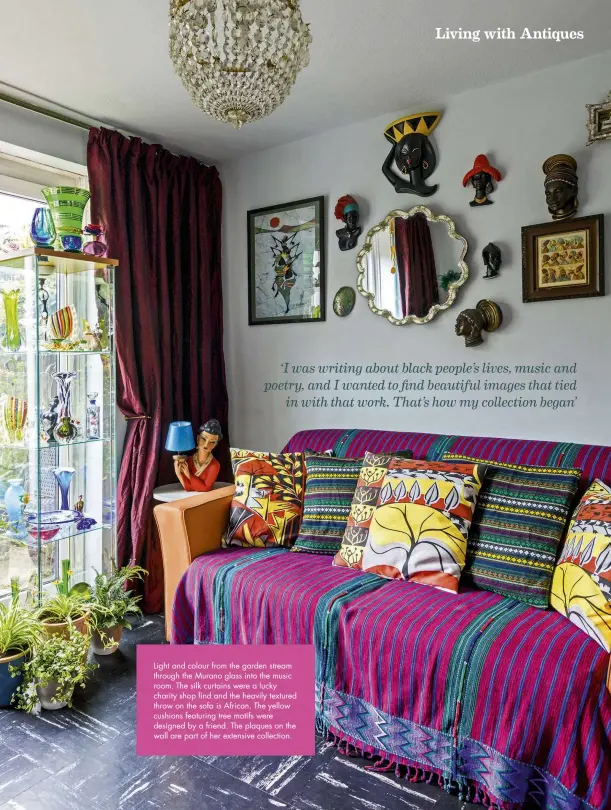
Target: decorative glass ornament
[(15, 416), (42, 230), (92, 429), (66, 430), (97, 247), (63, 476), (15, 499), (61, 324), (11, 340), (67, 205), (238, 61)]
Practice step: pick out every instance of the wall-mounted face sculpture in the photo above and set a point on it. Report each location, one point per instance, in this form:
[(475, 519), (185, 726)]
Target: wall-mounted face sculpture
[(347, 211), (480, 177), (561, 186), (412, 266), (486, 317), (491, 255), (412, 153)]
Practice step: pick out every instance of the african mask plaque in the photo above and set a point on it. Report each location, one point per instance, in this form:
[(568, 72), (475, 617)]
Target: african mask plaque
[(411, 153)]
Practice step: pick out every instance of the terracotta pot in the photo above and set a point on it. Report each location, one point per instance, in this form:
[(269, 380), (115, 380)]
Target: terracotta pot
[(45, 695), (97, 645), (8, 682), (52, 628)]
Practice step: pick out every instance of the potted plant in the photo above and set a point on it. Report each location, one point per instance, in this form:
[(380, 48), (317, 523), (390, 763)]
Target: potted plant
[(69, 606), (110, 605), (58, 665), (19, 632)]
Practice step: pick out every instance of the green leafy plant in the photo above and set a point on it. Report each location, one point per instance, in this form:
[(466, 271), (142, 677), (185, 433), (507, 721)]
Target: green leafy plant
[(69, 603), (111, 603), (60, 660), (451, 277), (19, 627)]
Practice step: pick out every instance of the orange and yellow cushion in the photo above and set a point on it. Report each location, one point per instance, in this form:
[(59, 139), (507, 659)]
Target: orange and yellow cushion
[(268, 503), (581, 588), (417, 526)]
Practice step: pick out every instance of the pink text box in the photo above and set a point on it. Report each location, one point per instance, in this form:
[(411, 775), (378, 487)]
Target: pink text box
[(237, 700)]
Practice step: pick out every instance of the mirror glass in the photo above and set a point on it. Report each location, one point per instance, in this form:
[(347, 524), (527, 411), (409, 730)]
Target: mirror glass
[(412, 266)]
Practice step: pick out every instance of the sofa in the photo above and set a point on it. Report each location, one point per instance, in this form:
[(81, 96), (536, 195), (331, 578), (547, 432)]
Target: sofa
[(502, 703)]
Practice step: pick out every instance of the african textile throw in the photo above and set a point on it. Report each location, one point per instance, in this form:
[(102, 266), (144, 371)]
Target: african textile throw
[(329, 489), (418, 524), (581, 588), (517, 528), (268, 501)]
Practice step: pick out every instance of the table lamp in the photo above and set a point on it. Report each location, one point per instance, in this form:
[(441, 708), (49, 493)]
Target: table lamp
[(180, 439)]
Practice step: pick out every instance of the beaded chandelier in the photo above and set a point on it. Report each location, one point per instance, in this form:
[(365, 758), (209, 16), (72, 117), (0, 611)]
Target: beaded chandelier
[(238, 59)]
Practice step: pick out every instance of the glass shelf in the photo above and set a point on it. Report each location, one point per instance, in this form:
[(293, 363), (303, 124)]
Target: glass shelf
[(32, 448), (64, 533)]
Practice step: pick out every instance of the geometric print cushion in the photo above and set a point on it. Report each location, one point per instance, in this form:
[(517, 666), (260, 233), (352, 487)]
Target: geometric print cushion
[(372, 478), (268, 502), (373, 469), (421, 522), (581, 589), (329, 489), (517, 528)]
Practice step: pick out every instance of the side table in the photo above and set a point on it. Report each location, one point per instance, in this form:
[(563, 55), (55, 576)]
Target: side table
[(175, 492)]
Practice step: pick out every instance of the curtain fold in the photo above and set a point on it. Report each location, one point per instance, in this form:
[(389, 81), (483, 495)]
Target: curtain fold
[(162, 216), (416, 265)]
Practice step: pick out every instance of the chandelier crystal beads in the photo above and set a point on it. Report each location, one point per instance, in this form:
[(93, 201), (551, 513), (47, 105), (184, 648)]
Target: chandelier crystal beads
[(238, 59)]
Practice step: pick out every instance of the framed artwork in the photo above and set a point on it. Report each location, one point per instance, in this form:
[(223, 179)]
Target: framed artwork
[(563, 259), (599, 121), (286, 263)]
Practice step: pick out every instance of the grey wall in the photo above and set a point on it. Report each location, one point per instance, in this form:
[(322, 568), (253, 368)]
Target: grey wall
[(518, 124)]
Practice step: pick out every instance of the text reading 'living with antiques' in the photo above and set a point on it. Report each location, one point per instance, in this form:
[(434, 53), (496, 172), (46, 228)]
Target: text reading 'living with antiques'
[(225, 700)]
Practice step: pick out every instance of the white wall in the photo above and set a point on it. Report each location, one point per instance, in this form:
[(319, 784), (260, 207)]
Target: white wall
[(518, 124), (33, 131)]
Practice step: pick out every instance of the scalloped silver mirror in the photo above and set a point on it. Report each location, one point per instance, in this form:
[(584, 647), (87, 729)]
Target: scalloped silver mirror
[(412, 265)]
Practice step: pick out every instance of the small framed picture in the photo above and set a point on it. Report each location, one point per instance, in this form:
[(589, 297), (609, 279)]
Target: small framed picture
[(286, 263), (563, 259), (599, 121)]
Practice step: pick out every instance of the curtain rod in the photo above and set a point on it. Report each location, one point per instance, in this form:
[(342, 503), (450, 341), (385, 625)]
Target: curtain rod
[(27, 105)]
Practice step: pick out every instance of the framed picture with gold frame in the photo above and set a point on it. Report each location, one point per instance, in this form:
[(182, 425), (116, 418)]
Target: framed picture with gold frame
[(563, 259)]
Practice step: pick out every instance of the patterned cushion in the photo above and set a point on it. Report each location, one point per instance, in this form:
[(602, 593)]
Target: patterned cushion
[(410, 520), (581, 587), (330, 485), (517, 527), (268, 502)]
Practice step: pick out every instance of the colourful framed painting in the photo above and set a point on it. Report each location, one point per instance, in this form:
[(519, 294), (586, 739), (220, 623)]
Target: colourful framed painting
[(286, 263), (563, 259)]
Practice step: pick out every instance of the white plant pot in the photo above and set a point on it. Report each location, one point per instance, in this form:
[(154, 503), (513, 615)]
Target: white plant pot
[(97, 645), (45, 695)]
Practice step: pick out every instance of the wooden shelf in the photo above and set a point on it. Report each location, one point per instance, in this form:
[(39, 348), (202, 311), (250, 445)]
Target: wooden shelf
[(43, 253)]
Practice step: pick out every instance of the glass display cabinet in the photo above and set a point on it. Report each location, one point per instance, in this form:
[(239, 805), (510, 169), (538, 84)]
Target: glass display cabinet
[(57, 417)]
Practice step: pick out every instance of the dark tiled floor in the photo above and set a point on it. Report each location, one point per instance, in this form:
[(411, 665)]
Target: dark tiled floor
[(85, 758)]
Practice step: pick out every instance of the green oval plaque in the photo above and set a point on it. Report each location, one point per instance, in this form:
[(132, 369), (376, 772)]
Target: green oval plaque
[(344, 301)]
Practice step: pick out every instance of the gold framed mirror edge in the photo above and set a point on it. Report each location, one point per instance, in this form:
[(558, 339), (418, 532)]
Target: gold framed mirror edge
[(453, 287)]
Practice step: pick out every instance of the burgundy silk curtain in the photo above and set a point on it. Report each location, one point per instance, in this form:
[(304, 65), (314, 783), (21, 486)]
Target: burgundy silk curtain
[(162, 216), (416, 265)]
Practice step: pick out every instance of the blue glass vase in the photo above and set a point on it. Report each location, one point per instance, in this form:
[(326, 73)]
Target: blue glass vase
[(42, 230), (13, 500), (63, 476), (15, 507)]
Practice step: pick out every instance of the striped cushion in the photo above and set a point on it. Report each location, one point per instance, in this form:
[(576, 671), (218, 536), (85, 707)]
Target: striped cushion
[(330, 486), (518, 524)]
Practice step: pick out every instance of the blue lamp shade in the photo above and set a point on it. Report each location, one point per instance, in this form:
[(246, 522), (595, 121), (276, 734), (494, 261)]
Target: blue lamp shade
[(180, 437)]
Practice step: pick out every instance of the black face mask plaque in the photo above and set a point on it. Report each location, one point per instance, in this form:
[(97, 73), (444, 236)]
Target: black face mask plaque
[(412, 154)]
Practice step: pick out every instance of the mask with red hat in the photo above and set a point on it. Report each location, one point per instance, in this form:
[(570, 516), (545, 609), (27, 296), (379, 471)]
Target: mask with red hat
[(481, 176)]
